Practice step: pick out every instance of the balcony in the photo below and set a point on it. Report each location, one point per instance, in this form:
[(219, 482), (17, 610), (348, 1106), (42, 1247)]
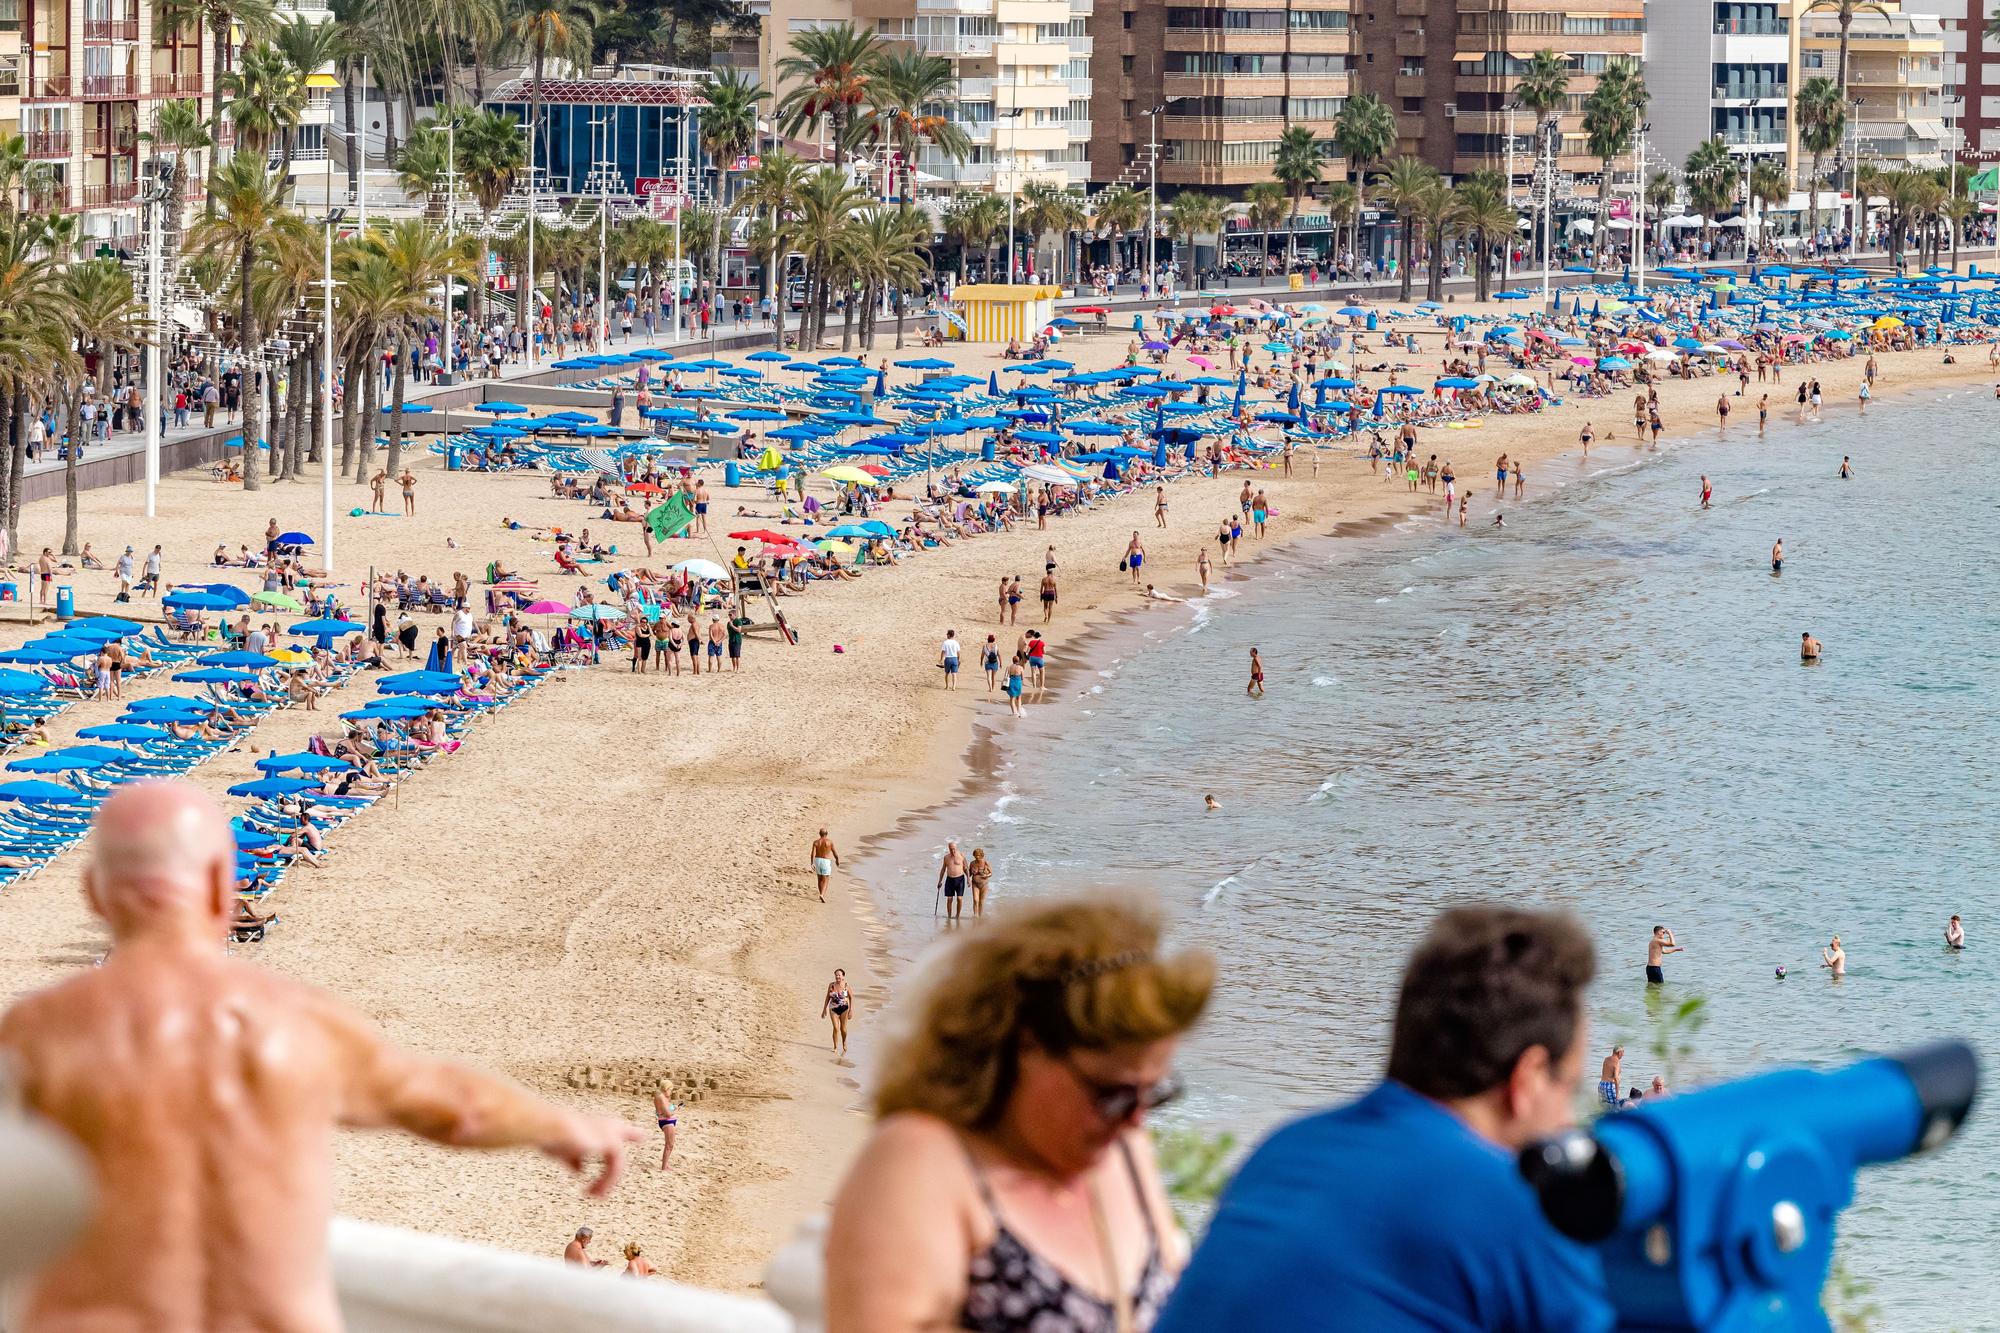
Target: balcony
[(47, 143), (122, 140), (975, 90), (1753, 92), (1752, 138), (1754, 28), (101, 87), (115, 194), (1080, 46), (182, 84), (111, 30), (47, 88)]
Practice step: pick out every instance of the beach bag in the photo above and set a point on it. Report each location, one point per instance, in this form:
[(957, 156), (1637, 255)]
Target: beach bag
[(1124, 563)]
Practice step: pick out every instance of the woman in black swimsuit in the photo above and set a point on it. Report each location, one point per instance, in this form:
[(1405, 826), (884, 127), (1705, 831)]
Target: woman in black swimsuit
[(839, 1003), (1008, 1110)]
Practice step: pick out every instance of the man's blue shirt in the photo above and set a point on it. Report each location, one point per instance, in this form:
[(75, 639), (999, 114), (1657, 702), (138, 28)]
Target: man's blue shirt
[(1387, 1214)]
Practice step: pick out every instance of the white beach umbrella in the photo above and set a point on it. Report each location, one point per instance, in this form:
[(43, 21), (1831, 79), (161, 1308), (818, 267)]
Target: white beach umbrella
[(701, 569)]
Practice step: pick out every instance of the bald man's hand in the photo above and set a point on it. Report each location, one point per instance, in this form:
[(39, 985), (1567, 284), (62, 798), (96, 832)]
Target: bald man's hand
[(584, 1139)]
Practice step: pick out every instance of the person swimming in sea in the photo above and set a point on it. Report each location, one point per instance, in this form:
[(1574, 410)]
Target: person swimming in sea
[(1954, 933), (1809, 647), (1846, 468), (1778, 556), (1209, 802)]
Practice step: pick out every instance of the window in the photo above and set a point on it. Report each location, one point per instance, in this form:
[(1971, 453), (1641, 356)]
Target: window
[(1124, 64), (1319, 20), (1125, 109), (1127, 17)]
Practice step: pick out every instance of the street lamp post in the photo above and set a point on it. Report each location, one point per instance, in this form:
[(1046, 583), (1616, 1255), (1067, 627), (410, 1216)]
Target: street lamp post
[(1548, 204), (527, 310), (1639, 206), (162, 188), (1152, 184), (326, 285), (1013, 160), (1507, 250), (445, 376)]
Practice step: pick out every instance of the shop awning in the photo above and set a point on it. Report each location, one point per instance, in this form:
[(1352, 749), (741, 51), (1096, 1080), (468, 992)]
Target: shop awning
[(1468, 57), (1925, 129), (322, 81)]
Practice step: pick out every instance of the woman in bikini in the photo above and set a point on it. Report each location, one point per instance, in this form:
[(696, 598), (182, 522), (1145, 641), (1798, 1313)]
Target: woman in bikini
[(667, 1113), (838, 1004)]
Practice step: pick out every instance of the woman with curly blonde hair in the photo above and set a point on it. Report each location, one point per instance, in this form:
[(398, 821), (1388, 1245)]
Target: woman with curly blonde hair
[(1009, 1184)]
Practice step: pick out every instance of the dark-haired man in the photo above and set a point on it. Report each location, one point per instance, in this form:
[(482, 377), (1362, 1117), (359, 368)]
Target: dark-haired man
[(1403, 1210)]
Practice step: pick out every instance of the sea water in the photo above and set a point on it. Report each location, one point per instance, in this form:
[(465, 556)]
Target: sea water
[(1600, 705)]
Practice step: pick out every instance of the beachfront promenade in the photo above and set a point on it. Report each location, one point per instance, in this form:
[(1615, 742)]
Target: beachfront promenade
[(119, 460)]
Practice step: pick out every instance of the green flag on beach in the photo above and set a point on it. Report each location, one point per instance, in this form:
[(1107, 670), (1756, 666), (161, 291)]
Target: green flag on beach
[(671, 517)]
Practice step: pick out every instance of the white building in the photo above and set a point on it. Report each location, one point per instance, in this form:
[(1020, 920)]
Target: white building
[(1720, 69)]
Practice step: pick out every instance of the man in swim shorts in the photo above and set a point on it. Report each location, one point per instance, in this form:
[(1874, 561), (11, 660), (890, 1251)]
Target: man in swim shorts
[(951, 879), (1607, 1080), (825, 857), (1657, 949), (1778, 555), (1809, 647)]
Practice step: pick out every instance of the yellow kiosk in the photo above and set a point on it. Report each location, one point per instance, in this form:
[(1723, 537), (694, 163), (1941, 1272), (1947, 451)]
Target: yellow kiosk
[(998, 311)]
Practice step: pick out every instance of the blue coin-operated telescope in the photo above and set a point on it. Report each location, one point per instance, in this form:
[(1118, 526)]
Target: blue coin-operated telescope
[(1715, 1210)]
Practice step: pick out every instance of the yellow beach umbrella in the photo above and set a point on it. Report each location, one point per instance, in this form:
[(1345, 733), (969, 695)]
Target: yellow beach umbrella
[(1887, 322), (291, 656), (770, 460), (851, 475), (835, 546)]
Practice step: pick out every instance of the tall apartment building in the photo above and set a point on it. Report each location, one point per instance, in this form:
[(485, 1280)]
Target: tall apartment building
[(1722, 69), (1895, 72), (1971, 73), (1226, 81), (1449, 69), (90, 76), (1022, 91)]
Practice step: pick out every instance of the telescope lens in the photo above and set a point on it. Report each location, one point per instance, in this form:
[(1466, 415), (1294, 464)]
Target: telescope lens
[(1946, 1077), (1580, 1185)]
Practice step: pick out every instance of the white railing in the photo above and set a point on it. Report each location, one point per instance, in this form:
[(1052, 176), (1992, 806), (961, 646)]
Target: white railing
[(390, 1280)]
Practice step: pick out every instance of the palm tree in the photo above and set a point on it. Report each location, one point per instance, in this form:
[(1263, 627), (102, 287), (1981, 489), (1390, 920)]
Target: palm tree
[(545, 28), (250, 211), (423, 166), (1543, 88), (178, 127), (1402, 188), (728, 130), (267, 96), (308, 48), (1769, 183), (1611, 117), (1297, 166), (1046, 209), (887, 252), (1366, 133), (1844, 13), (772, 189), (908, 91), (824, 210), (1956, 210), (1267, 207), (1437, 209), (1195, 214), (105, 317), (491, 158), (973, 220), (1118, 212), (422, 259), (1485, 215), (1822, 123), (1343, 209), (1710, 173), (833, 67), (228, 23)]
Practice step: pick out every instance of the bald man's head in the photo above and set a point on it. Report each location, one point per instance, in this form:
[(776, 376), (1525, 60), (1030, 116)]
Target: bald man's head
[(162, 857)]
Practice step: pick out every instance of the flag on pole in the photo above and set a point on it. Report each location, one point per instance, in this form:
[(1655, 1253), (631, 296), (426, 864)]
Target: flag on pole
[(671, 517)]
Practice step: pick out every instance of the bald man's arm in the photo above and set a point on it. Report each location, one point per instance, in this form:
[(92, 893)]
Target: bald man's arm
[(385, 1087)]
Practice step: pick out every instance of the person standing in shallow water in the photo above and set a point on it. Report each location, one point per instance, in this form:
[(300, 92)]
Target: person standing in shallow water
[(1256, 686)]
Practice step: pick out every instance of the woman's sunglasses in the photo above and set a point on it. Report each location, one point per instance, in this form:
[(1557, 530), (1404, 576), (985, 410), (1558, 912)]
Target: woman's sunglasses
[(1116, 1102)]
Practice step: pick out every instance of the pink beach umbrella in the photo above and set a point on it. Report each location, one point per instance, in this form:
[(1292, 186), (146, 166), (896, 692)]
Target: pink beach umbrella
[(1203, 362), (546, 608)]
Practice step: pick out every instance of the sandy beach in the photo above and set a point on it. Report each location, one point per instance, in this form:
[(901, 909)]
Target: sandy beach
[(609, 885)]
